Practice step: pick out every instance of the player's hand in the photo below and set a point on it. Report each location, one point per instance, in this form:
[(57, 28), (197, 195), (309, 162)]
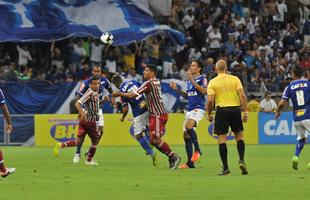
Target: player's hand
[(210, 118), (189, 75), (9, 128), (173, 85), (277, 115), (245, 117)]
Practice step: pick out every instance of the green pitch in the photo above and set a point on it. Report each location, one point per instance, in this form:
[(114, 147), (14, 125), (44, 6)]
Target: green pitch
[(126, 173)]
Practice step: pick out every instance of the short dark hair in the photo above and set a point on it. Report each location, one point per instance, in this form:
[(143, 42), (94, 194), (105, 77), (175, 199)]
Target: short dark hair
[(96, 66), (116, 79), (94, 78), (298, 71), (200, 65), (153, 68)]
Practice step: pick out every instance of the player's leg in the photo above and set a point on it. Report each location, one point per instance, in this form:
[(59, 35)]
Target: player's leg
[(139, 126), (236, 125), (4, 172), (188, 145), (301, 128), (101, 128), (72, 143), (94, 135), (221, 126), (157, 127), (194, 118)]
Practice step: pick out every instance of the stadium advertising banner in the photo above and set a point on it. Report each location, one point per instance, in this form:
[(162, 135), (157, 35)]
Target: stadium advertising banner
[(272, 131), (53, 128)]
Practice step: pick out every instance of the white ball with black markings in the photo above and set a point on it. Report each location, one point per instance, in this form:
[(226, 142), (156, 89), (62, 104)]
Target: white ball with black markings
[(107, 38)]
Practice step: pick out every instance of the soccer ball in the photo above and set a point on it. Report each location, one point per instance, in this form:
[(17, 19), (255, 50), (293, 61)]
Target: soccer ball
[(107, 38)]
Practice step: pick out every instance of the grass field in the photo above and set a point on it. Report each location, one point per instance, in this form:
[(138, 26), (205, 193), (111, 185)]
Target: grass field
[(126, 173)]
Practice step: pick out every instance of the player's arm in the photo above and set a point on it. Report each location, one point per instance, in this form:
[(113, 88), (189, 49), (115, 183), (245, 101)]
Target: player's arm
[(201, 88), (125, 111), (283, 101), (178, 90), (243, 100), (211, 100), (7, 117)]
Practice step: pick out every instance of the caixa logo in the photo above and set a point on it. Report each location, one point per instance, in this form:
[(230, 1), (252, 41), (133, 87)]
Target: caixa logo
[(282, 127), (230, 135), (132, 130), (63, 132)]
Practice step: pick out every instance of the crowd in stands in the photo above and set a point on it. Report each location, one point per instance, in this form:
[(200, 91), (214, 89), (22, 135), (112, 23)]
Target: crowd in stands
[(260, 39)]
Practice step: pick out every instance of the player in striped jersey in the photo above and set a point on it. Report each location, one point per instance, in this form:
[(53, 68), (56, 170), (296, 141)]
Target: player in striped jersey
[(4, 171), (87, 121), (158, 115), (104, 85)]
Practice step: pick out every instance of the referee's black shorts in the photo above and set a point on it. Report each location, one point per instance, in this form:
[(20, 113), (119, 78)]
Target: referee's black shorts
[(226, 117)]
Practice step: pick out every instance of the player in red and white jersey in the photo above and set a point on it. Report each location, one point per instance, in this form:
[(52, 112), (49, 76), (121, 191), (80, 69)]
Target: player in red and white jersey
[(87, 121), (158, 115)]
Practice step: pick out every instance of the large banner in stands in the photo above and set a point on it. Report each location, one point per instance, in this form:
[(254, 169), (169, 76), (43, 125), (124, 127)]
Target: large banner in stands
[(37, 20), (50, 129), (272, 131)]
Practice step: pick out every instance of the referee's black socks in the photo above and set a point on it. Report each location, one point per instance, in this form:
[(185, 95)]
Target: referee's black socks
[(241, 149), (223, 154)]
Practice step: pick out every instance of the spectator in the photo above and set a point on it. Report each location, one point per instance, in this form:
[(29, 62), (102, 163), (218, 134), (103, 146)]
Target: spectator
[(56, 56), (174, 74), (253, 105), (84, 72), (12, 74), (110, 62), (306, 31), (132, 75), (188, 19), (305, 61), (280, 18), (78, 55), (96, 52), (268, 104), (24, 55), (194, 54), (214, 40), (291, 56), (129, 58)]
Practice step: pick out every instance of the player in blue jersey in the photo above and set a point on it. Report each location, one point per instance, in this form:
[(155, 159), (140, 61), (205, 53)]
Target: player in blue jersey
[(299, 93), (104, 85), (196, 89), (4, 171), (139, 112)]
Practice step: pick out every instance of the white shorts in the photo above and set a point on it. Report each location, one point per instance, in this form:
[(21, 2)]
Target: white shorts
[(101, 118), (140, 122), (302, 129), (196, 114)]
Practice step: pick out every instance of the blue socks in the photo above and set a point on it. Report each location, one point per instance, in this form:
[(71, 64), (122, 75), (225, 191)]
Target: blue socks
[(144, 142), (194, 139), (188, 148), (299, 146), (78, 149)]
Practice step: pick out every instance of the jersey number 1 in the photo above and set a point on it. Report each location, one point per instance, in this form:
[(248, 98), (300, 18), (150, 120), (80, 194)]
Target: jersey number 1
[(300, 97)]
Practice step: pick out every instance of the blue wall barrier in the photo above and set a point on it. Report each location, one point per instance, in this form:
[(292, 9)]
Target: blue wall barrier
[(272, 131)]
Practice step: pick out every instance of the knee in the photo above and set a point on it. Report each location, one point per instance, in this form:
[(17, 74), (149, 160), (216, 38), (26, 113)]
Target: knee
[(155, 142)]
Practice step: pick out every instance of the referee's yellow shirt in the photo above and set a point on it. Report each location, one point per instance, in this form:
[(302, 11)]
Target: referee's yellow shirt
[(225, 88)]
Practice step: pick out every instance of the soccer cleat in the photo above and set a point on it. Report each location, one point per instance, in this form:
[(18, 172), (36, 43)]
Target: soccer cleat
[(92, 163), (242, 167), (7, 172), (57, 149), (154, 160), (295, 162), (224, 172), (196, 156), (174, 163), (76, 158), (187, 165)]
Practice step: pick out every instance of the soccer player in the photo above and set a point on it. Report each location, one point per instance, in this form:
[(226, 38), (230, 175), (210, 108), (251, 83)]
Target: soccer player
[(195, 93), (227, 93), (104, 84), (299, 93), (4, 171), (139, 111), (158, 115), (87, 121)]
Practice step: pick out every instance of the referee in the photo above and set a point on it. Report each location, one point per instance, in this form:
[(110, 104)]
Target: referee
[(226, 92)]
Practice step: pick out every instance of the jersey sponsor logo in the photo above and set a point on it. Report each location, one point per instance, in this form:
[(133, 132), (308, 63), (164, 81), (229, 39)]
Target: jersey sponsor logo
[(230, 135), (299, 85), (193, 93), (63, 132)]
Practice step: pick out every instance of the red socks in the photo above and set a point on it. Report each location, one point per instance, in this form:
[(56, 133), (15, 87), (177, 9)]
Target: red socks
[(69, 143)]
